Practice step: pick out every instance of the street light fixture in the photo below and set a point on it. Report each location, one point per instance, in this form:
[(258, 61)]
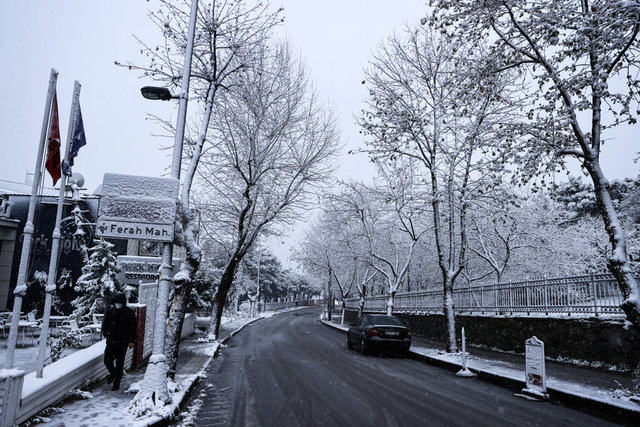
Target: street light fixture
[(155, 93), (154, 383)]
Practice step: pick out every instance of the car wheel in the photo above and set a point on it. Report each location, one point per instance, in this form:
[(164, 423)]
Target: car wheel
[(349, 343), (364, 348)]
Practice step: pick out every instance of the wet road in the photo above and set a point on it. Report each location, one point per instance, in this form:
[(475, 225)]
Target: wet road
[(290, 370)]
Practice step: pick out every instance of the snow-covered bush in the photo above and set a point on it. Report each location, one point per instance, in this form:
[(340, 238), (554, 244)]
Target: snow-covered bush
[(98, 280)]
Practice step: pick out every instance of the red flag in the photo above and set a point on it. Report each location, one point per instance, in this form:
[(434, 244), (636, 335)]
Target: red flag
[(53, 148)]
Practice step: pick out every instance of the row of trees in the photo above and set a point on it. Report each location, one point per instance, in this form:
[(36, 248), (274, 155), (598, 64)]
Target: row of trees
[(258, 144), (482, 96)]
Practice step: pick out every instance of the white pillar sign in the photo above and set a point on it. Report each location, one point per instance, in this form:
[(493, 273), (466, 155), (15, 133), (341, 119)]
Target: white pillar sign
[(535, 373)]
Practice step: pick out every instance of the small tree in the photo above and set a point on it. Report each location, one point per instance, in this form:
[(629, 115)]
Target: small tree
[(98, 281)]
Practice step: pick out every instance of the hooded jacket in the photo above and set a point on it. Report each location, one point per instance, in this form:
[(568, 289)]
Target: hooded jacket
[(119, 324)]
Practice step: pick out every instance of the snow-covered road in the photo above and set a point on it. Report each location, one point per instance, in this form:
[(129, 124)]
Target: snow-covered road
[(291, 370)]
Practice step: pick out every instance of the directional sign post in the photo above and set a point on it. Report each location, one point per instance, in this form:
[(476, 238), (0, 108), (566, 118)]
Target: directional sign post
[(137, 207)]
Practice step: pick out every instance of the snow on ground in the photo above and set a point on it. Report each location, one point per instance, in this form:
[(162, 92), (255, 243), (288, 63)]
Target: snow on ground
[(615, 397), (506, 370), (26, 356), (109, 408)]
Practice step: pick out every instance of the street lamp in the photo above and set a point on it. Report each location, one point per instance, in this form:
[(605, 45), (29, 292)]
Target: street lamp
[(157, 93), (154, 384)]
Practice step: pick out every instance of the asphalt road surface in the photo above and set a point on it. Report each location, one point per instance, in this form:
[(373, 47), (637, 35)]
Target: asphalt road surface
[(290, 370)]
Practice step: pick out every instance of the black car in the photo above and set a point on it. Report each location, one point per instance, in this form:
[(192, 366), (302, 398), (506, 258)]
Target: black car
[(373, 332)]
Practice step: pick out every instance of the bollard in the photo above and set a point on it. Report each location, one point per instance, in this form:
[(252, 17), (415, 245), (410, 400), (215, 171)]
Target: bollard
[(464, 372)]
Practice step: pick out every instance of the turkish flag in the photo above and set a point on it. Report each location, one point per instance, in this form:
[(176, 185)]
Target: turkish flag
[(53, 148)]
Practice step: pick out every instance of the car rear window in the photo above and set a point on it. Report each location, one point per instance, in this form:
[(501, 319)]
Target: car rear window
[(385, 320)]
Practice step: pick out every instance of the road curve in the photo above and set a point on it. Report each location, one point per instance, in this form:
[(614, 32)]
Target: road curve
[(290, 370)]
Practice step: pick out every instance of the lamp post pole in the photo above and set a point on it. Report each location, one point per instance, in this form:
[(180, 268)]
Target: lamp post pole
[(155, 377)]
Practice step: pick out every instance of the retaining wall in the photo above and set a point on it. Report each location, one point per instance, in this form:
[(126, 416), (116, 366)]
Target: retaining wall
[(593, 340)]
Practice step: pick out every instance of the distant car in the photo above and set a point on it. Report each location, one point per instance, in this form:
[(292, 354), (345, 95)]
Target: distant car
[(373, 332)]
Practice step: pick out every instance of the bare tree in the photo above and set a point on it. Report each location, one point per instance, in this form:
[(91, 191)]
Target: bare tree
[(389, 224), (582, 60), (275, 146), (429, 102), (227, 33)]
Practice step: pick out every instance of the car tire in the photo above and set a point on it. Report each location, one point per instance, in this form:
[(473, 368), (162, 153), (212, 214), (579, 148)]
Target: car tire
[(364, 348), (349, 343), (405, 352)]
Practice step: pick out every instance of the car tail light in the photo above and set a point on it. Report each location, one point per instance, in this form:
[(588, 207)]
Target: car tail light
[(373, 332), (408, 333)]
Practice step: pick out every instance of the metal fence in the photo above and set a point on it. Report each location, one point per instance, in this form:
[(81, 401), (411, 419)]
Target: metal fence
[(281, 305), (592, 295)]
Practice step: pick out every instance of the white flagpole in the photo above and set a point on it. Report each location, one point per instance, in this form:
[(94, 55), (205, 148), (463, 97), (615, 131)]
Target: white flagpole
[(55, 243), (21, 285)]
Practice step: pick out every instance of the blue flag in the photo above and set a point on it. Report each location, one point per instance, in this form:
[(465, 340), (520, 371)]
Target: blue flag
[(78, 140)]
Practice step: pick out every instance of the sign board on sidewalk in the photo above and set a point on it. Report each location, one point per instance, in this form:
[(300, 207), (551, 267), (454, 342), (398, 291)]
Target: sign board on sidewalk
[(137, 207), (136, 269), (535, 372)]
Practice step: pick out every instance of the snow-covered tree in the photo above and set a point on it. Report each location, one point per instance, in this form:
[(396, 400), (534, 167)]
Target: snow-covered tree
[(275, 143), (581, 58), (226, 34), (98, 281), (431, 102)]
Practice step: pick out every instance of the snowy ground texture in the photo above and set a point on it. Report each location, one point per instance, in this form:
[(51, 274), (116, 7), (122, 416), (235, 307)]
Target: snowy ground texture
[(99, 406), (619, 398)]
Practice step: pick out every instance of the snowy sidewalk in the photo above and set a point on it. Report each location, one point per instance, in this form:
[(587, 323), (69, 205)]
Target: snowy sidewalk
[(584, 387), (109, 408)]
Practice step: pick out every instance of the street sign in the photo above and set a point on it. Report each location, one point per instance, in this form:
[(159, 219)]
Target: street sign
[(137, 207), (136, 269), (535, 371)]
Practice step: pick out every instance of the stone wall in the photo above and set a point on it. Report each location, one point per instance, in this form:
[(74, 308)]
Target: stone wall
[(600, 342)]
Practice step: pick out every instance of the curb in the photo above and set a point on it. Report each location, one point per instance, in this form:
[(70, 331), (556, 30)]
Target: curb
[(570, 400), (194, 381)]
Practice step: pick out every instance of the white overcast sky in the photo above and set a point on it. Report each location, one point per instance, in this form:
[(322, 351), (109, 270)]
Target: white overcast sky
[(83, 38)]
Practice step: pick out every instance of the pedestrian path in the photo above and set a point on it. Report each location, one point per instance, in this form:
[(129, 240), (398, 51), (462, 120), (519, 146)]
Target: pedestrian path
[(109, 408), (589, 388)]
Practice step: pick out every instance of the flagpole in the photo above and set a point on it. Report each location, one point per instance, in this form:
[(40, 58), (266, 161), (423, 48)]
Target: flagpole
[(55, 243), (21, 285)]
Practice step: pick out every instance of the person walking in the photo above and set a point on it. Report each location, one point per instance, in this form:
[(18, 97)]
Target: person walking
[(119, 328)]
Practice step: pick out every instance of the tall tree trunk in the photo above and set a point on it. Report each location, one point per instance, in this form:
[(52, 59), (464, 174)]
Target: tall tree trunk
[(221, 296), (329, 297), (176, 320), (618, 260), (390, 302), (450, 318)]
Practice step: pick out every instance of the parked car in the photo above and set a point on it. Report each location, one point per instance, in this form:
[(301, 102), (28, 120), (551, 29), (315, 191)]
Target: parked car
[(375, 332)]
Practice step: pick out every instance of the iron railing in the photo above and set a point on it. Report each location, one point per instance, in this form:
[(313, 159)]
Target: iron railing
[(280, 305), (592, 295)]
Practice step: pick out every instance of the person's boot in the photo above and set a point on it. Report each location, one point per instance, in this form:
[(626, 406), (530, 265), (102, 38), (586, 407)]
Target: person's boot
[(116, 384), (109, 379)]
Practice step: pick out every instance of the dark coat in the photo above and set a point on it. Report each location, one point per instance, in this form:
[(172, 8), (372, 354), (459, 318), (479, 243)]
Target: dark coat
[(119, 326)]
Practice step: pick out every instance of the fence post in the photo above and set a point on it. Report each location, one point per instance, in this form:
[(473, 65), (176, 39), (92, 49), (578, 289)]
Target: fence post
[(568, 296), (527, 289), (510, 297), (482, 299), (545, 289), (594, 295), (10, 392)]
